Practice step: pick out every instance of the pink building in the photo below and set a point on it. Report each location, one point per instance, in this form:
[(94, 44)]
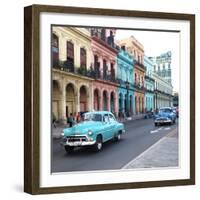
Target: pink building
[(105, 84)]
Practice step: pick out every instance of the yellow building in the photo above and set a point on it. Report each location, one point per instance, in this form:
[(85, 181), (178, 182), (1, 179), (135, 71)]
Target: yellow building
[(71, 60)]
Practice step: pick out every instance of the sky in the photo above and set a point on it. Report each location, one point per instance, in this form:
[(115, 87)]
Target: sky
[(156, 43)]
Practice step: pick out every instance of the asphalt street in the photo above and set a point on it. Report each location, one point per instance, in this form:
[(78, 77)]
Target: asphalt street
[(139, 136)]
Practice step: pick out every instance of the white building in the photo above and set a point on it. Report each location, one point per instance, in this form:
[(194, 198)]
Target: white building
[(163, 92), (162, 65)]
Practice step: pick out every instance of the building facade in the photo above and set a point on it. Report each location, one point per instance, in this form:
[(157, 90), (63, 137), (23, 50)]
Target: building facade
[(125, 71), (136, 49), (162, 65), (104, 66), (71, 59), (90, 72), (149, 84), (163, 92)]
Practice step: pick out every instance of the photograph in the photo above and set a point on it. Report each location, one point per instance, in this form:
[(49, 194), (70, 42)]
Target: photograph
[(114, 99), (109, 99)]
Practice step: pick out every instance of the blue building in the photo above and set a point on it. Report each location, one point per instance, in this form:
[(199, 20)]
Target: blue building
[(125, 71), (149, 84)]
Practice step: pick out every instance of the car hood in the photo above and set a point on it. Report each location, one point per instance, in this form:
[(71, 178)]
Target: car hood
[(162, 115), (82, 128)]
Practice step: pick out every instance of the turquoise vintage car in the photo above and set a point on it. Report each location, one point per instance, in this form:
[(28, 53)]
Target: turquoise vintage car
[(97, 128)]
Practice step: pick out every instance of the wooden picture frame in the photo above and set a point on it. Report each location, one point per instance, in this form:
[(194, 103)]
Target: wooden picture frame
[(32, 96)]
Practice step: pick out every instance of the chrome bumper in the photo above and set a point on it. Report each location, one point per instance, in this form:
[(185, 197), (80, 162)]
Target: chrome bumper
[(76, 144), (163, 121), (75, 141)]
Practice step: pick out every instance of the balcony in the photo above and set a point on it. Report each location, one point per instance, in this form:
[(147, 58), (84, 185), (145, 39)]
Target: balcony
[(105, 75), (139, 87), (139, 64), (64, 65), (149, 91), (83, 71), (149, 78), (111, 46), (162, 92)]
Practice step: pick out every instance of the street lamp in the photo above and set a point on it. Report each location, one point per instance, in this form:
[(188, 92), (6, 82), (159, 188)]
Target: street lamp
[(127, 87)]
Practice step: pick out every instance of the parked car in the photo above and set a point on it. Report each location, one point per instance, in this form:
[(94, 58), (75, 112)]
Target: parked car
[(176, 111), (97, 128), (165, 115)]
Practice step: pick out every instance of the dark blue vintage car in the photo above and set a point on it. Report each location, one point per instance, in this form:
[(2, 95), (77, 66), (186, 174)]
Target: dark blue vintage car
[(165, 115)]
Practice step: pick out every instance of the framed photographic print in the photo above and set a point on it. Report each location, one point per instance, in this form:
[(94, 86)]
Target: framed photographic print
[(109, 99)]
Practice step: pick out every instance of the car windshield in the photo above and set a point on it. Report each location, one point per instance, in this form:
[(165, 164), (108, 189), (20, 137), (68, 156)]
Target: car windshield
[(93, 117), (166, 110)]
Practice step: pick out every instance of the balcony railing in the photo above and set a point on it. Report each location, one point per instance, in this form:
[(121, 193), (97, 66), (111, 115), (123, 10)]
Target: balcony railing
[(162, 92), (140, 87), (149, 78), (105, 75), (149, 91), (91, 73), (140, 64), (64, 65)]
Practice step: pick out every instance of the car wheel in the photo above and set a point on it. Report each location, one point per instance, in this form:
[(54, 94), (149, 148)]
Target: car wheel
[(98, 145), (118, 137), (69, 149), (156, 124)]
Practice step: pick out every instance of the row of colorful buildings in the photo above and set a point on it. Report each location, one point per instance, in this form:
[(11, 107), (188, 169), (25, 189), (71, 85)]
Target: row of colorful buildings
[(92, 71)]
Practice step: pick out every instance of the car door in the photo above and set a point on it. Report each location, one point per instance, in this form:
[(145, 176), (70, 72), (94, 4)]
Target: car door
[(113, 125), (106, 127)]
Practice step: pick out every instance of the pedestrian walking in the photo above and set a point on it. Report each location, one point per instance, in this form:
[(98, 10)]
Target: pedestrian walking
[(54, 120), (78, 117), (70, 120)]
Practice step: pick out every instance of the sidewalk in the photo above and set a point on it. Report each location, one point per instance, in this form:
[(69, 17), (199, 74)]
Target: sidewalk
[(56, 132), (164, 153)]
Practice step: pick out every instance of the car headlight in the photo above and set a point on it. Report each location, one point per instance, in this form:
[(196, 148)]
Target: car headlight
[(90, 132), (62, 134)]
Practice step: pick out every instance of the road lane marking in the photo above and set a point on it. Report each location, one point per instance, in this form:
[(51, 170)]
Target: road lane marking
[(155, 131), (167, 128), (151, 147)]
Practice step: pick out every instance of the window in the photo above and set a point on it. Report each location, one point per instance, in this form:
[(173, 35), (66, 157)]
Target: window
[(123, 47), (154, 68), (106, 118), (111, 118), (70, 56), (55, 49), (83, 57), (135, 78), (112, 70), (70, 50), (104, 69), (103, 34)]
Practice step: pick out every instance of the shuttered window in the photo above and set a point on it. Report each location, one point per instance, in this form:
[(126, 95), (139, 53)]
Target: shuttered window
[(70, 50), (83, 57), (55, 49)]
